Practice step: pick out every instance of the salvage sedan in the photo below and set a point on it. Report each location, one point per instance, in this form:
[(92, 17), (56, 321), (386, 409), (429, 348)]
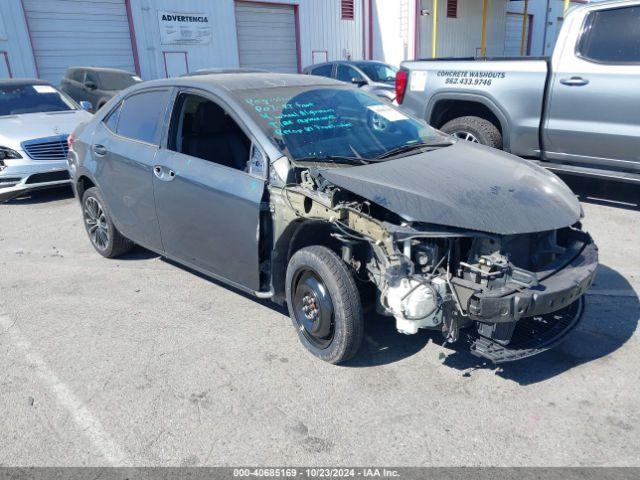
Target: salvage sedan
[(35, 121), (321, 196)]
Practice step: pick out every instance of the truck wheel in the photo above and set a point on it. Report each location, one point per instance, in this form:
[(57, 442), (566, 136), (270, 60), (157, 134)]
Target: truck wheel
[(104, 236), (474, 129), (324, 304)]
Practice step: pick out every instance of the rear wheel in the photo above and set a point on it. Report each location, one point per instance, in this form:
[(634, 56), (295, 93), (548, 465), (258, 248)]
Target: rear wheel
[(324, 304), (104, 236), (474, 129)]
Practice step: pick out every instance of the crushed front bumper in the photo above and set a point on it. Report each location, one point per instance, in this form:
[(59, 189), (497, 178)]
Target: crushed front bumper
[(513, 323), (17, 179)]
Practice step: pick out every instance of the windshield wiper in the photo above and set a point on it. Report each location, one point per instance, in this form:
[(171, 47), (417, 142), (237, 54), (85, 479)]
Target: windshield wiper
[(409, 147), (334, 159)]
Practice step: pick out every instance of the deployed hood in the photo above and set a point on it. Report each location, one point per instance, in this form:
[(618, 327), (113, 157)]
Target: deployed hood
[(466, 186), (15, 129)]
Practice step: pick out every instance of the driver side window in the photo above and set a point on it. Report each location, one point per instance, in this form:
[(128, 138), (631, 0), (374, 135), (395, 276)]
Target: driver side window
[(201, 128)]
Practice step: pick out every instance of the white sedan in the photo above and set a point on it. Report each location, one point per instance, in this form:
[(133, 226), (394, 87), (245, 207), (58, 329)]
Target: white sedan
[(35, 121)]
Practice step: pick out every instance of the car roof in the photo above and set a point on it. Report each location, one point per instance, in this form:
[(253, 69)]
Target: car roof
[(208, 71), (17, 82), (102, 69), (346, 62), (243, 81)]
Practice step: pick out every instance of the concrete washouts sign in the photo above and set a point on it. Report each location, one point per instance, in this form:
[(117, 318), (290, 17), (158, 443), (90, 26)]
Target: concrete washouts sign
[(184, 28)]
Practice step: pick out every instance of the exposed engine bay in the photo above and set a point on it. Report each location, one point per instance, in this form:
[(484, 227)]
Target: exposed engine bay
[(508, 295)]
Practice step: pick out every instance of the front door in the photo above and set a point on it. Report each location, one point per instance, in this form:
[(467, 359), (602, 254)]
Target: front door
[(593, 105), (124, 148), (208, 203)]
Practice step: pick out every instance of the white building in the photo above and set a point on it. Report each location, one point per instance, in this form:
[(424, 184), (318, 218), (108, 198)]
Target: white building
[(403, 29), (159, 38)]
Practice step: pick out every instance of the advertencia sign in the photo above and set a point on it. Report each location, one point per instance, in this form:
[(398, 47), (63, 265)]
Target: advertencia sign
[(184, 28)]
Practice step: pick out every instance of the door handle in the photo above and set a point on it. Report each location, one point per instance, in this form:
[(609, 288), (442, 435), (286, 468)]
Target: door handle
[(163, 173), (99, 150), (574, 81)]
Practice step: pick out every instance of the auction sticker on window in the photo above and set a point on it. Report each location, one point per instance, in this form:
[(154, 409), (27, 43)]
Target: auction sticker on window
[(44, 89), (418, 81), (387, 113)]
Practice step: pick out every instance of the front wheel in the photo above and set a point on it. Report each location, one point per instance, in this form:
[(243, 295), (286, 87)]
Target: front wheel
[(474, 129), (324, 304)]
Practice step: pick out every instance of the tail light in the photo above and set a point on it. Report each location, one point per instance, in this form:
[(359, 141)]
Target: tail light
[(401, 84)]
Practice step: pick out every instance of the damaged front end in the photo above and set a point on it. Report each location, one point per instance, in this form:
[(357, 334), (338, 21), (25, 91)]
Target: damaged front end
[(508, 295)]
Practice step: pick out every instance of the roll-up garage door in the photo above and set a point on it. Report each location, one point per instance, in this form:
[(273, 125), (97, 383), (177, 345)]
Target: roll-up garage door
[(267, 36), (68, 33), (513, 35)]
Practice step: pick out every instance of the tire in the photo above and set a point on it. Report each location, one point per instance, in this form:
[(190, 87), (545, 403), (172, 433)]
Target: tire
[(483, 131), (339, 307), (103, 235)]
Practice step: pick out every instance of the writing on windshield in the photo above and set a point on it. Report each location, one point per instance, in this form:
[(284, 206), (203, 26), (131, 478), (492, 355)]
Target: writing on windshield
[(291, 118), (319, 121)]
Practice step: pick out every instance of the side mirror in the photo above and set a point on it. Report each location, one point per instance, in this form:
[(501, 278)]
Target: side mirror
[(358, 81), (90, 85), (88, 106)]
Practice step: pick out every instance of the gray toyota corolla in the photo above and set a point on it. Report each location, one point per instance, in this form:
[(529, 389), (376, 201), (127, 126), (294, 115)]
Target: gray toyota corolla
[(311, 192)]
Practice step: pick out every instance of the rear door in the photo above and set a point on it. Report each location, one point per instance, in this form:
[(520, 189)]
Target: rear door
[(124, 147), (593, 105), (208, 197)]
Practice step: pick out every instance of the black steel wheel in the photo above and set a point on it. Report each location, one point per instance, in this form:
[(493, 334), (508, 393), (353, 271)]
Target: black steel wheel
[(313, 308), (103, 235), (324, 304)]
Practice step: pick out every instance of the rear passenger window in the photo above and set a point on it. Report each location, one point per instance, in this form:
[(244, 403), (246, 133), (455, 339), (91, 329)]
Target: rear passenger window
[(612, 36), (141, 115), (323, 71)]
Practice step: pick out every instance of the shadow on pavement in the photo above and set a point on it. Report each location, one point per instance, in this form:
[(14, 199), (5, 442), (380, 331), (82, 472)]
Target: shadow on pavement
[(602, 192), (610, 319), (43, 196)]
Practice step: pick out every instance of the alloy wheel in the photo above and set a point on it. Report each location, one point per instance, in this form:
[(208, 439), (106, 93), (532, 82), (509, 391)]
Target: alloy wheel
[(469, 137), (96, 223)]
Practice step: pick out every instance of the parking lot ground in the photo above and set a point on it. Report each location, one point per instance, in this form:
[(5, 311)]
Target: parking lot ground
[(137, 361)]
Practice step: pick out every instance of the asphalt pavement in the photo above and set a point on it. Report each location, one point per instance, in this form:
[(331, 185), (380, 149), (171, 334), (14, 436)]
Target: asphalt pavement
[(138, 361)]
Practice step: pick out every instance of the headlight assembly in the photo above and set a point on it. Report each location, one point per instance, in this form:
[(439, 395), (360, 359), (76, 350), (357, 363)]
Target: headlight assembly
[(8, 153)]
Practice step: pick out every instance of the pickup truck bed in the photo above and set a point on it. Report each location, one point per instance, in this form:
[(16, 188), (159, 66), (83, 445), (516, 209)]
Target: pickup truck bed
[(443, 89)]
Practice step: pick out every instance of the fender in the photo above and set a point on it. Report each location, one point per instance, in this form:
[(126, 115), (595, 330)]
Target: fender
[(502, 116)]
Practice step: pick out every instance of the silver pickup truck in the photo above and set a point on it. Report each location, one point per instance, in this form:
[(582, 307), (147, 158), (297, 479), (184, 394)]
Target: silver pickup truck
[(577, 112)]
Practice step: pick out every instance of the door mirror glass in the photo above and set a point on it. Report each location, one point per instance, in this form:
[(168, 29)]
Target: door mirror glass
[(88, 106)]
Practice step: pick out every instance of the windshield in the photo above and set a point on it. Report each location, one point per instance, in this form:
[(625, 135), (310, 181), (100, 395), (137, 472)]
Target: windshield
[(378, 72), (322, 122), (18, 99), (117, 81)]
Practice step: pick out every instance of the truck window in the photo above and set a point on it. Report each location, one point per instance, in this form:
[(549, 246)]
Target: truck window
[(612, 36)]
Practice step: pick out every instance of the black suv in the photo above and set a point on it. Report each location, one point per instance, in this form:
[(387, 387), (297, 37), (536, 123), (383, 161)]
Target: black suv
[(96, 85)]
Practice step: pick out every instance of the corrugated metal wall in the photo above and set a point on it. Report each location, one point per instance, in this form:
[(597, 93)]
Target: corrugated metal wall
[(65, 33), (14, 40), (321, 29), (461, 36)]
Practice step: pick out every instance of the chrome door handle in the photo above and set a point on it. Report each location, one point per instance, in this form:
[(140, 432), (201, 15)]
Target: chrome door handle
[(163, 173), (574, 81), (100, 150)]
